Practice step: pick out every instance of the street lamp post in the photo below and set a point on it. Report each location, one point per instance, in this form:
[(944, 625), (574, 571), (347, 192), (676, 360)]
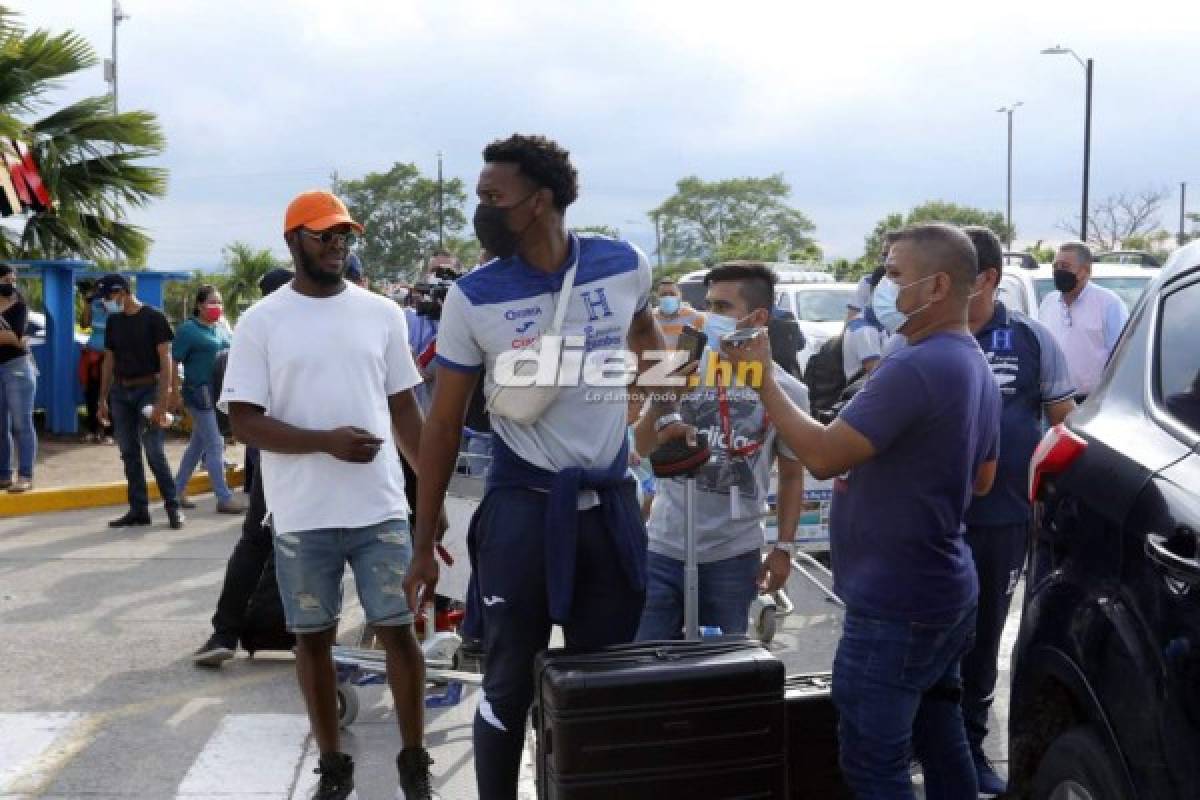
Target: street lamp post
[(110, 67), (1059, 50), (1009, 111), (441, 205)]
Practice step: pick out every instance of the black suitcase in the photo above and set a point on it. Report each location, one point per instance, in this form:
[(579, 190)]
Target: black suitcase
[(264, 627), (676, 719), (813, 772)]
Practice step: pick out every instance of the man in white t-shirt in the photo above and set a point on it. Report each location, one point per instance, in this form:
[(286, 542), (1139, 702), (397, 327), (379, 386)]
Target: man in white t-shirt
[(320, 379), (1084, 318)]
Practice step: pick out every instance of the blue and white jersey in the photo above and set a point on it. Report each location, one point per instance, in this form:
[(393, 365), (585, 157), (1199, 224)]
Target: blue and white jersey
[(507, 305)]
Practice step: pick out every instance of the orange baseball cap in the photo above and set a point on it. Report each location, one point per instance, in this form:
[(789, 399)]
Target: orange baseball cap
[(317, 210)]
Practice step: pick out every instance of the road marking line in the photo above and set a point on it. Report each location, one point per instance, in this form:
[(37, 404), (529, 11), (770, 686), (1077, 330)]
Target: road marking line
[(191, 708), (250, 755), (24, 739)]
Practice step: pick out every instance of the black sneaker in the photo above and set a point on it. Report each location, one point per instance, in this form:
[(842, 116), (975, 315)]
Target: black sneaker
[(416, 782), (130, 519), (175, 518), (216, 650), (990, 782), (337, 778)]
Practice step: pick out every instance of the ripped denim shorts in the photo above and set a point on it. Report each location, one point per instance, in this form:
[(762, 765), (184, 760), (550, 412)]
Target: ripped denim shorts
[(310, 564)]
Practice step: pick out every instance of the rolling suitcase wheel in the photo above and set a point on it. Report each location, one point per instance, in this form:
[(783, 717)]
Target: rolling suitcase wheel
[(347, 704)]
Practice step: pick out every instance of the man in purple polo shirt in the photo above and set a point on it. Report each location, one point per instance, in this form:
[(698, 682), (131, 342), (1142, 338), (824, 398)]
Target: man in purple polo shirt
[(911, 449)]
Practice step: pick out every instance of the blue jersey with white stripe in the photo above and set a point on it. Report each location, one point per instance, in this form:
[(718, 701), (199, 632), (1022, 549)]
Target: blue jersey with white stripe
[(507, 305)]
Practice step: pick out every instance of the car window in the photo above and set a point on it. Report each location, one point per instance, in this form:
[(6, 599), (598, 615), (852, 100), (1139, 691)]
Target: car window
[(1128, 289), (1009, 292), (1178, 356), (783, 301), (822, 306)]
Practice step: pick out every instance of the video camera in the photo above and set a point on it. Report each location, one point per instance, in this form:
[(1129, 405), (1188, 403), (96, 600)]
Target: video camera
[(434, 292)]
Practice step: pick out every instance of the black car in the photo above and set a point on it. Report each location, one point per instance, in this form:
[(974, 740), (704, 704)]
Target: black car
[(1106, 672)]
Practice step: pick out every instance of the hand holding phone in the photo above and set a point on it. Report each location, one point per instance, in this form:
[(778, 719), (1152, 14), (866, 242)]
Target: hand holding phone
[(692, 342)]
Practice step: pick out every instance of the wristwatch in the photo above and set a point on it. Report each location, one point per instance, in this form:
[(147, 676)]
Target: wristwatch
[(667, 419), (787, 547)]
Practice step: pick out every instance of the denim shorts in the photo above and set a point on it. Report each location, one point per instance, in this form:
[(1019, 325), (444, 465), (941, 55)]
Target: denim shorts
[(310, 564)]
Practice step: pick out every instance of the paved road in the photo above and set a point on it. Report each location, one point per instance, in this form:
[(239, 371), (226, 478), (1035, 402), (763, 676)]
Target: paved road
[(98, 698)]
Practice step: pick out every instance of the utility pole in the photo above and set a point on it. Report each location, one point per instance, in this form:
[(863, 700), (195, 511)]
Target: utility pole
[(658, 242), (1182, 215), (441, 206), (333, 181), (1009, 111), (110, 65)]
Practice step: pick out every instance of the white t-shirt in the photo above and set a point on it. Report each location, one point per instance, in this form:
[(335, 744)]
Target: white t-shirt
[(861, 343), (320, 364)]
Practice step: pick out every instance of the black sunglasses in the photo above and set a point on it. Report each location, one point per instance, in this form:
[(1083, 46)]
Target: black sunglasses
[(328, 237)]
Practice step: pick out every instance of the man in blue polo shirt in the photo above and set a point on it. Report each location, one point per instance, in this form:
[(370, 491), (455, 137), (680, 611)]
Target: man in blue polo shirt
[(911, 449), (1035, 385), (558, 537)]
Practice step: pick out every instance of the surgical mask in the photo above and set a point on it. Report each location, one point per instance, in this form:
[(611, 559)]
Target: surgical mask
[(718, 325), (210, 313), (112, 306), (493, 232), (1065, 281), (7, 290), (883, 303), (669, 305)]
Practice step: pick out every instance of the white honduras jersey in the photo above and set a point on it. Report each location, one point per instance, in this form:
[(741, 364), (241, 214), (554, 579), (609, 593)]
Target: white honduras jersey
[(507, 304)]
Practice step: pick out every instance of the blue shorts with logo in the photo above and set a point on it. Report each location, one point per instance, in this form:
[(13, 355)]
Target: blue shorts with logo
[(309, 566)]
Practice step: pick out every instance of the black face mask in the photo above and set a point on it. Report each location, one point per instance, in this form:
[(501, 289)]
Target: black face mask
[(1065, 281), (491, 228), (7, 290)]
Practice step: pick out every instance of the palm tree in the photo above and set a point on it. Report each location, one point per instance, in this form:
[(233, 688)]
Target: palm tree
[(245, 266), (91, 160)]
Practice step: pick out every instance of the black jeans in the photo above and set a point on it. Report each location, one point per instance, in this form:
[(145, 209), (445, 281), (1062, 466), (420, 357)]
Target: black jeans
[(999, 554), (134, 432), (245, 567)]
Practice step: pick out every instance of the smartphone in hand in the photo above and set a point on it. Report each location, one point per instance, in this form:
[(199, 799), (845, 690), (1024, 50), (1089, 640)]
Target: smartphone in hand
[(692, 342)]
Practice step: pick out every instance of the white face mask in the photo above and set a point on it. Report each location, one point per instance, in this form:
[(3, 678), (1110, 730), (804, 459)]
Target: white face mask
[(718, 325), (883, 303)]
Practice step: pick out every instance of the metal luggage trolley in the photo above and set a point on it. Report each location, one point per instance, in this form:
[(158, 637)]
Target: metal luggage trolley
[(446, 668)]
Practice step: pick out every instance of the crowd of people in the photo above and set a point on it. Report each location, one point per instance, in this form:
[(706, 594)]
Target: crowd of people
[(352, 406)]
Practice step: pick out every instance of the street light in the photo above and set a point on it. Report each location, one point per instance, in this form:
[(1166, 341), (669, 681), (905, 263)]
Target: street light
[(110, 66), (441, 206), (1059, 50), (1009, 111)]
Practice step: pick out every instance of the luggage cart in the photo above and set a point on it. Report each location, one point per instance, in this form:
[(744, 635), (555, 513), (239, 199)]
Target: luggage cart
[(446, 668)]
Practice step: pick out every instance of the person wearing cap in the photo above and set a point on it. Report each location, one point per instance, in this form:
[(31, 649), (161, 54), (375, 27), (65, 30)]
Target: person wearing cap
[(320, 379), (354, 271), (135, 393)]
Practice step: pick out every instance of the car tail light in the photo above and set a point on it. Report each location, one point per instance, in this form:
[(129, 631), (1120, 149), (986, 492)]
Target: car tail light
[(1058, 450)]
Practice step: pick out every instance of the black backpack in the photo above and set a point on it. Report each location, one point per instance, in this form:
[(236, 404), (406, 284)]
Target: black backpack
[(825, 377)]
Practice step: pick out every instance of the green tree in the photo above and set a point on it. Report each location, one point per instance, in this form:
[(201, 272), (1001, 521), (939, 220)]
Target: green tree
[(244, 268), (91, 160), (399, 209), (733, 218), (932, 211), (1194, 218), (602, 230), (1042, 253)]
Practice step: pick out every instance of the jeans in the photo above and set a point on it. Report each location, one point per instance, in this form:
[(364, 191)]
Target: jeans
[(999, 554), (897, 689), (309, 566), (207, 443), (18, 381), (508, 531), (133, 433), (244, 569), (727, 588)]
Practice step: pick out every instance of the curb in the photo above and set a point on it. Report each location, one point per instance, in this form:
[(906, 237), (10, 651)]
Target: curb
[(73, 498)]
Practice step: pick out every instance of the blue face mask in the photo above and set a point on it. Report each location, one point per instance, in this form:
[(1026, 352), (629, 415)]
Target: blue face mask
[(883, 303), (112, 306), (718, 325), (669, 305)]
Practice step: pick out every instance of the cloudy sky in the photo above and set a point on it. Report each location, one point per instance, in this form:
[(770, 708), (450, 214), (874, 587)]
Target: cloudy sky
[(863, 110)]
